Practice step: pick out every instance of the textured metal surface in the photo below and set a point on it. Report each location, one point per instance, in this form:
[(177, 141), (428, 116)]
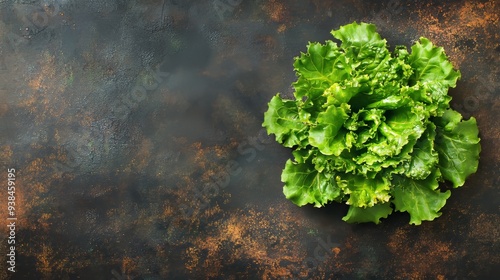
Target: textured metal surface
[(135, 130)]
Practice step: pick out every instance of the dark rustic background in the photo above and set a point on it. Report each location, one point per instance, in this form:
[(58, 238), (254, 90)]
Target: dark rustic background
[(135, 130)]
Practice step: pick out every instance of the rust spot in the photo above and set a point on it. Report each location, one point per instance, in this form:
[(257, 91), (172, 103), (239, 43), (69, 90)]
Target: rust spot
[(276, 11)]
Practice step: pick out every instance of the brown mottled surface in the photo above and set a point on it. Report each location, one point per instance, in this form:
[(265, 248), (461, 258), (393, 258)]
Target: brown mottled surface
[(182, 183)]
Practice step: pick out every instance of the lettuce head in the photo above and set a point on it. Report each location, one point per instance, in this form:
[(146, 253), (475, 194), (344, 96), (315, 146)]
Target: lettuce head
[(373, 128)]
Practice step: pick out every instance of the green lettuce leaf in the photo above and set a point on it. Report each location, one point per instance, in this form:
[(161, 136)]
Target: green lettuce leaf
[(431, 64), (358, 36), (420, 198), (282, 120), (369, 214), (365, 192), (322, 64), (323, 135), (457, 142), (424, 157), (400, 126), (305, 185)]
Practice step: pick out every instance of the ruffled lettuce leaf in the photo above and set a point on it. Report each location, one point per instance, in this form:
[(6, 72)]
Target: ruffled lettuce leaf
[(365, 192), (420, 198), (357, 36), (364, 49), (400, 127), (430, 64), (424, 158), (369, 214), (305, 185), (458, 145), (282, 120), (323, 134), (322, 64)]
